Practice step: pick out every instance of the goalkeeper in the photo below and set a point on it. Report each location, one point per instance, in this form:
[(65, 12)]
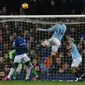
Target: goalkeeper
[(21, 64)]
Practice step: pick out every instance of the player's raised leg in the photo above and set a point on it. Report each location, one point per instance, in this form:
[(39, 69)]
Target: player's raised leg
[(58, 30)]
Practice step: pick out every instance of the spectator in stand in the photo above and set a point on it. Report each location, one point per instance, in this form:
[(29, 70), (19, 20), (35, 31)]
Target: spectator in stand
[(73, 32), (36, 69), (83, 46), (82, 36), (1, 39), (65, 7), (83, 5), (52, 8), (5, 11), (46, 65), (80, 47), (2, 74), (42, 7), (6, 59), (7, 63), (1, 13), (77, 6)]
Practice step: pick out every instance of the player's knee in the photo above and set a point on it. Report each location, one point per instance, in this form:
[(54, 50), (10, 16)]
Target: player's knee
[(19, 68), (53, 53), (15, 65), (73, 69), (28, 63), (43, 44)]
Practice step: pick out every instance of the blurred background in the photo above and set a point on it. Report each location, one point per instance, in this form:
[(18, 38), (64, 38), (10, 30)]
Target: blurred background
[(42, 61), (42, 7)]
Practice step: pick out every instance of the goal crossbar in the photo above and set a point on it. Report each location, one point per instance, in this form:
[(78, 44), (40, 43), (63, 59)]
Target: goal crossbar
[(42, 16)]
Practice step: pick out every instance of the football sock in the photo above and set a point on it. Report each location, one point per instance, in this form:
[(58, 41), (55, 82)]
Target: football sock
[(53, 60), (34, 72), (77, 74), (28, 72), (11, 72)]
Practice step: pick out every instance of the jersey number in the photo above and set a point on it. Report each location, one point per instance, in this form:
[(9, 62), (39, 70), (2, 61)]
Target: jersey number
[(61, 31)]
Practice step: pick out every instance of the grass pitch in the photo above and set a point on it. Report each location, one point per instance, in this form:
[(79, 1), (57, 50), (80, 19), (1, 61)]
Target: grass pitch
[(20, 82)]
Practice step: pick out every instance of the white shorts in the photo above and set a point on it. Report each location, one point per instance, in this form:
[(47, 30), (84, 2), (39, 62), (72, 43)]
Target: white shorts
[(54, 43), (76, 62), (19, 68), (23, 57)]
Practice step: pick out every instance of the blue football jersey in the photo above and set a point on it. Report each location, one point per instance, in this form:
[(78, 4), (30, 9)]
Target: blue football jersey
[(19, 42), (58, 29), (74, 52)]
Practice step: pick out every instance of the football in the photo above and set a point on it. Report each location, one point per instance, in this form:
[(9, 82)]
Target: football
[(25, 6)]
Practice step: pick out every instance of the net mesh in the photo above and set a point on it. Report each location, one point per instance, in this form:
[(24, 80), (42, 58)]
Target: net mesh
[(42, 61)]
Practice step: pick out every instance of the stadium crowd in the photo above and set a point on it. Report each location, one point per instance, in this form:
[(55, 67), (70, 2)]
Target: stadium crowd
[(42, 7), (42, 61)]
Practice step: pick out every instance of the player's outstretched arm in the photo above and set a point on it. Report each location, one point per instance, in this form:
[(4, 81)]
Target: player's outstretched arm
[(47, 30), (40, 29)]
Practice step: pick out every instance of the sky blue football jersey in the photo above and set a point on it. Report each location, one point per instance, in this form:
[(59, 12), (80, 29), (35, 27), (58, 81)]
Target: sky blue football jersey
[(74, 52), (58, 31)]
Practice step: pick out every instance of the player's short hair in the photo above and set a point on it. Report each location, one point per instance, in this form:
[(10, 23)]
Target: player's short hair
[(20, 32), (70, 38)]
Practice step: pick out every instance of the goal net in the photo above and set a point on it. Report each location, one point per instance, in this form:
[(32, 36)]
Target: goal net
[(42, 60)]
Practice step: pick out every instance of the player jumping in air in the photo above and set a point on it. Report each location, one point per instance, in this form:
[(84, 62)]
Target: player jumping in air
[(58, 30), (77, 59), (19, 44)]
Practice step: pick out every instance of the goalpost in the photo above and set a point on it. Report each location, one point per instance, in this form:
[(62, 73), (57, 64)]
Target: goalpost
[(8, 30)]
